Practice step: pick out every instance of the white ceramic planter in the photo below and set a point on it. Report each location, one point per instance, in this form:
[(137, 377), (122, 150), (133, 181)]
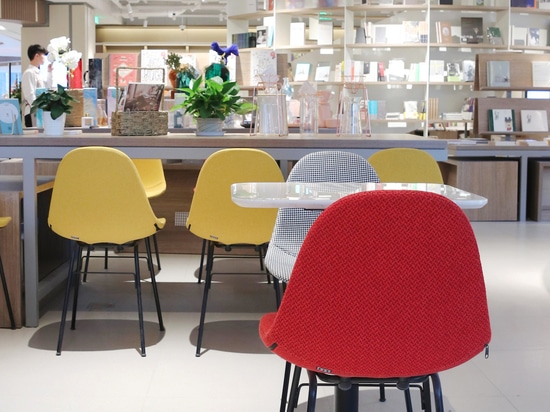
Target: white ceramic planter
[(53, 127), (209, 127)]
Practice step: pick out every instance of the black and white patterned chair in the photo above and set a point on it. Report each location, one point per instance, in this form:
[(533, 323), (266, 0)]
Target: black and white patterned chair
[(292, 224)]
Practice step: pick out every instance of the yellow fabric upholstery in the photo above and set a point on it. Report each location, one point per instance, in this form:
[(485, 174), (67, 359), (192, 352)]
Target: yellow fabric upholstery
[(405, 165), (98, 197), (152, 176), (4, 221), (213, 215)]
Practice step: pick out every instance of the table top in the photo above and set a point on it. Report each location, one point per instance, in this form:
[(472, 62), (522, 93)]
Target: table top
[(321, 195)]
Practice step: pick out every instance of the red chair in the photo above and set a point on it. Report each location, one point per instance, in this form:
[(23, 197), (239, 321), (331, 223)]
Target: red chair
[(388, 288)]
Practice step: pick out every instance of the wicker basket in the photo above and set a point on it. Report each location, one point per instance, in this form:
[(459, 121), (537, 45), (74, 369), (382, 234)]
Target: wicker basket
[(139, 123), (143, 123)]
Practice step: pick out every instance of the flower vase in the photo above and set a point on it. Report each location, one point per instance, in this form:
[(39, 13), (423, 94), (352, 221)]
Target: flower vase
[(209, 127), (173, 76), (53, 127)]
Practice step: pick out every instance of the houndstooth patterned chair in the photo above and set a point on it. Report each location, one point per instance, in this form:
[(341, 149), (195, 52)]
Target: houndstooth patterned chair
[(292, 225)]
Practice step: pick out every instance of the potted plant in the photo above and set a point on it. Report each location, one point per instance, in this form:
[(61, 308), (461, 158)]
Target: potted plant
[(210, 101), (173, 61), (55, 105)]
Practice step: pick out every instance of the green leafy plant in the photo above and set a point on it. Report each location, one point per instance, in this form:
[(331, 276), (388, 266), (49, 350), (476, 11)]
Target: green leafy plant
[(173, 61), (213, 98), (55, 101)]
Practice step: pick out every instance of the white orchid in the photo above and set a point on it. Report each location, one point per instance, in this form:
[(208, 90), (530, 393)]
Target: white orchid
[(59, 50)]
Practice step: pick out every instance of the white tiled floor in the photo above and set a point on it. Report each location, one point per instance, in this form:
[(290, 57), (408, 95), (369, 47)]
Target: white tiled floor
[(101, 370)]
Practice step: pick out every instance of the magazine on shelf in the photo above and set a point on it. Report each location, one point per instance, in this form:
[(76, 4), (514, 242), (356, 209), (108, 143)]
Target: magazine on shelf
[(468, 70), (142, 97), (443, 32), (498, 73), (322, 72), (453, 72), (494, 36), (534, 120), (301, 73), (541, 73), (501, 120)]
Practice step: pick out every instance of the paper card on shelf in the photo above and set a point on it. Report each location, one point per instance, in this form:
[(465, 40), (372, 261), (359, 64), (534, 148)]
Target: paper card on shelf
[(468, 70), (301, 73), (453, 72), (153, 59), (534, 120), (396, 70), (498, 73), (394, 34), (122, 60), (533, 38), (313, 28), (411, 33), (143, 97), (379, 34), (325, 33), (89, 95), (10, 117), (501, 120), (541, 73), (322, 72), (297, 33), (494, 36), (519, 36), (263, 62), (370, 71)]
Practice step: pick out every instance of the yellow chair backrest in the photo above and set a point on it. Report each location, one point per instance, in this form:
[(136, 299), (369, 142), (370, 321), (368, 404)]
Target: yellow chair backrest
[(152, 176), (98, 197), (405, 165), (4, 220), (214, 216)]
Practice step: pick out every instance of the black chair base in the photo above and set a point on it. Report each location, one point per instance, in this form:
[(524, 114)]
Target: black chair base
[(75, 271), (6, 295)]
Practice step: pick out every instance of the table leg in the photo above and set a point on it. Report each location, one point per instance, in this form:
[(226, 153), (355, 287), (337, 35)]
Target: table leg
[(30, 242), (346, 400)]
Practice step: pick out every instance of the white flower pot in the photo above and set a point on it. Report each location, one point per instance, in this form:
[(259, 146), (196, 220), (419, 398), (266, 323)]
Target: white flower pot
[(53, 127), (209, 127)]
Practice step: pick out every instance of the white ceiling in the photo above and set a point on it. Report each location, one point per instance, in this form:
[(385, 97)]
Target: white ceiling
[(132, 12)]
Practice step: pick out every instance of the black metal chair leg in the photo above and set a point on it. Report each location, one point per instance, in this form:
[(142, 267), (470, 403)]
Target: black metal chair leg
[(154, 283), (157, 253), (284, 393), (106, 259), (76, 277), (312, 393), (203, 251), (208, 281), (408, 402), (139, 302), (66, 299), (295, 389), (86, 264), (425, 396), (382, 393), (438, 394), (7, 295)]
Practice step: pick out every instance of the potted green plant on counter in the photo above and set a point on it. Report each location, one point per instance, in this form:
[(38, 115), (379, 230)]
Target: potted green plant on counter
[(210, 101), (55, 105)]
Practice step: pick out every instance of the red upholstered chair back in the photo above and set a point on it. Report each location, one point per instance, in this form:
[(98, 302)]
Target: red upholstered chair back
[(386, 284)]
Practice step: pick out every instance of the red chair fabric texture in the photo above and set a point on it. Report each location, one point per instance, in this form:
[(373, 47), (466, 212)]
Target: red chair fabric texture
[(386, 284)]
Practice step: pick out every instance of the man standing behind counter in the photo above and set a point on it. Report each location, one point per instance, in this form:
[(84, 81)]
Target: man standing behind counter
[(31, 80)]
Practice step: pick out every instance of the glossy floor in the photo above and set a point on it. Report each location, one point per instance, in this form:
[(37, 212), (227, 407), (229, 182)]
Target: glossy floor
[(101, 370)]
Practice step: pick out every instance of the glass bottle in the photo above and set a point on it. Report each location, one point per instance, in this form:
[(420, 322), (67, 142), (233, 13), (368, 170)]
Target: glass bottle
[(102, 120)]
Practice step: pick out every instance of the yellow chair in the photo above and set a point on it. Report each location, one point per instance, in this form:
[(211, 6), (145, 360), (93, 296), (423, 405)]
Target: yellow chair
[(98, 199), (405, 165), (4, 221), (214, 217)]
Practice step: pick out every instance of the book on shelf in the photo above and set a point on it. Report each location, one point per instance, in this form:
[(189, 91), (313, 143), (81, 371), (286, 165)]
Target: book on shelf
[(468, 70), (423, 30), (122, 60), (498, 73), (373, 109), (494, 36), (261, 36), (294, 4), (10, 117), (437, 70), (433, 108), (381, 72), (446, 2), (396, 70), (297, 33), (370, 71), (541, 73), (453, 72), (379, 34), (534, 120), (153, 59), (533, 36), (410, 109), (411, 33), (443, 32), (471, 29), (360, 35), (519, 36), (518, 3), (262, 63), (501, 120)]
